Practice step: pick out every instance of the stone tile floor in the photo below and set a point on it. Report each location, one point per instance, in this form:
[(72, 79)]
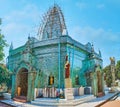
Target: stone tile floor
[(96, 101), (4, 105), (91, 103)]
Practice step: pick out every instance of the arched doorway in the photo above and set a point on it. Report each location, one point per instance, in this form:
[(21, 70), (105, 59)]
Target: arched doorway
[(22, 82)]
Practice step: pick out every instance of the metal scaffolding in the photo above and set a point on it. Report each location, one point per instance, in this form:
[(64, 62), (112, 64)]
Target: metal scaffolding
[(52, 24)]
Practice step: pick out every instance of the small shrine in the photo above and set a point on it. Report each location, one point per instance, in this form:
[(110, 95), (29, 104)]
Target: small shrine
[(55, 64)]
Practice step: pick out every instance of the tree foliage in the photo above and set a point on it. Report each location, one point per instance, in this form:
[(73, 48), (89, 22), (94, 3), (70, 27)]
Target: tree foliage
[(4, 73), (118, 70), (108, 75), (2, 45)]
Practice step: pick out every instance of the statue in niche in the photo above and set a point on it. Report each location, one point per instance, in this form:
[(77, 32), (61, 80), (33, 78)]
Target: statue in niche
[(67, 68), (51, 80), (77, 80)]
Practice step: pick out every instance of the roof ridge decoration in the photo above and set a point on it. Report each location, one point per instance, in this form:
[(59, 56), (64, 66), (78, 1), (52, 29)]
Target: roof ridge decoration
[(53, 24)]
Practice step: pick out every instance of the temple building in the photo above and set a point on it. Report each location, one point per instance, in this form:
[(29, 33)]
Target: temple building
[(41, 62)]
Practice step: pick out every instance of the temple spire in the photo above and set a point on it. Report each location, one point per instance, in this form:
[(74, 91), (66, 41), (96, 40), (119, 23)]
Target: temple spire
[(53, 24), (11, 47), (54, 2), (92, 50), (100, 53)]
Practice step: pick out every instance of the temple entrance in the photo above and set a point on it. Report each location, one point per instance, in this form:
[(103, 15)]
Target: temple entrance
[(22, 82)]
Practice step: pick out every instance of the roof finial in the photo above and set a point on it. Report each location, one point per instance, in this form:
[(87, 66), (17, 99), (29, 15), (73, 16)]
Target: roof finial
[(0, 21), (29, 36), (54, 3), (92, 48), (100, 53), (11, 47)]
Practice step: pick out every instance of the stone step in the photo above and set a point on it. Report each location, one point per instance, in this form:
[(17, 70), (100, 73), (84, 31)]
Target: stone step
[(22, 99), (68, 93), (68, 90), (85, 98), (62, 102), (69, 97), (52, 104), (48, 99)]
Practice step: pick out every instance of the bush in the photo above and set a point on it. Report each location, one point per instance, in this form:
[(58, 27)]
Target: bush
[(5, 78)]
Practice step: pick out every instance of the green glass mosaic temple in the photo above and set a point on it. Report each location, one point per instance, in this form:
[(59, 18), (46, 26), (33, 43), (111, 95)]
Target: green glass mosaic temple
[(40, 62)]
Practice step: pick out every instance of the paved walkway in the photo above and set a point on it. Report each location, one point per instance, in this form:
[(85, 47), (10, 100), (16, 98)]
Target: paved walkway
[(96, 101), (4, 105), (18, 104), (114, 103)]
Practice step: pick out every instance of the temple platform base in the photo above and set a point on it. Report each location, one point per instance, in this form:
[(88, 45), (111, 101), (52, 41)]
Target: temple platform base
[(69, 94), (68, 89), (63, 102)]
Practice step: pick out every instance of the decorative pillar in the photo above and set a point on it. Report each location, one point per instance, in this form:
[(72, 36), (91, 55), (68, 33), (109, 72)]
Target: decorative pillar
[(13, 85), (31, 85), (112, 65), (95, 88), (97, 82)]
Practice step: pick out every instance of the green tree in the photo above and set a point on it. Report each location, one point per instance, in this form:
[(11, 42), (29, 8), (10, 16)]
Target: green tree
[(4, 73), (2, 45), (117, 73), (108, 75)]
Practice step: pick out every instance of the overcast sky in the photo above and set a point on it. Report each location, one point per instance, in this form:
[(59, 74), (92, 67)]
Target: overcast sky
[(95, 21)]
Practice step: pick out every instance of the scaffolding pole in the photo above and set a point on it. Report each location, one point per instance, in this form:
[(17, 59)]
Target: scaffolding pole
[(73, 58), (59, 61)]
